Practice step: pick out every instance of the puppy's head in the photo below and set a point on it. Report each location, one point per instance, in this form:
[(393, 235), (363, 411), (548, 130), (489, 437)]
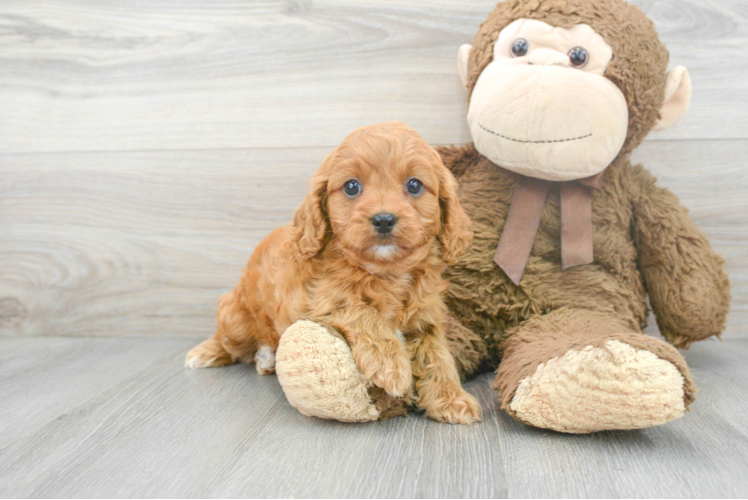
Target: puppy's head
[(383, 194)]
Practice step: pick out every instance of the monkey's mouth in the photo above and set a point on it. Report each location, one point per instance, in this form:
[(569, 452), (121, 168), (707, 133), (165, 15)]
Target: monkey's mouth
[(550, 141)]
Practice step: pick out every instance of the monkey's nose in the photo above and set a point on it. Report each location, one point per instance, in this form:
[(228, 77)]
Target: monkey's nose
[(547, 57), (384, 222)]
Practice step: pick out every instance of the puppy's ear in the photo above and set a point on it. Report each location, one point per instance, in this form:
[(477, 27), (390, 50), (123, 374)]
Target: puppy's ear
[(456, 233), (310, 220)]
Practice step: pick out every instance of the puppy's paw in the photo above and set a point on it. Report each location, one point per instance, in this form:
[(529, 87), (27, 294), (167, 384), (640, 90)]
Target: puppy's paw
[(209, 354), (386, 364), (463, 408), (397, 384), (265, 360)]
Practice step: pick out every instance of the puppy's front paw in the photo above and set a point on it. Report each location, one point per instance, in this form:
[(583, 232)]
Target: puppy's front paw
[(386, 364), (462, 408)]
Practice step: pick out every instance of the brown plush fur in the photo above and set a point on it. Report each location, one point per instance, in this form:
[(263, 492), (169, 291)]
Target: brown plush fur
[(644, 241), (326, 268)]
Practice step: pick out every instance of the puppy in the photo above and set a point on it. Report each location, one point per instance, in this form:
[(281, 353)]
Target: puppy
[(365, 256)]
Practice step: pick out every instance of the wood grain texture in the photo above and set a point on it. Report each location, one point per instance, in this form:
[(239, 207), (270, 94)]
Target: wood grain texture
[(44, 380), (83, 75), (136, 243), (144, 243), (146, 147), (150, 428)]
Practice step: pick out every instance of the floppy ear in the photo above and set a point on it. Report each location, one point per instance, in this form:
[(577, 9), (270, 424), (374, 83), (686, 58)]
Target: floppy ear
[(456, 233), (310, 220)]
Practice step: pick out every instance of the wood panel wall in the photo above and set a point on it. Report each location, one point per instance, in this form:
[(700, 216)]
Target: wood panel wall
[(147, 146)]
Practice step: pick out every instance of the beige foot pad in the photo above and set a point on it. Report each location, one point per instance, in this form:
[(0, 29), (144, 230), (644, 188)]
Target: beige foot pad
[(601, 388), (319, 376)]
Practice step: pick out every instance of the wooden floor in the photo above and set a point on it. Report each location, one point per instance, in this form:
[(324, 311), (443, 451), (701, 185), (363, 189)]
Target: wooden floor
[(146, 147), (121, 417)]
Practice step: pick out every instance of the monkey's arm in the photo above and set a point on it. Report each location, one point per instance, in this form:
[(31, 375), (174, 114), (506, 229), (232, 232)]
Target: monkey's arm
[(378, 351), (688, 288), (458, 159)]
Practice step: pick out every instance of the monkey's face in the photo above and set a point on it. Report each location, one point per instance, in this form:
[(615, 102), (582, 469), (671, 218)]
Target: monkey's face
[(543, 107)]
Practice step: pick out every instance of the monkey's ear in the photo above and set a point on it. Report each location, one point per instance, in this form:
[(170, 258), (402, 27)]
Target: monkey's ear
[(463, 54), (677, 98)]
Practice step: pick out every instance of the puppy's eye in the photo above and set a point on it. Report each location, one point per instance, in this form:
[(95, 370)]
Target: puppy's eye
[(352, 187), (414, 187), (520, 47)]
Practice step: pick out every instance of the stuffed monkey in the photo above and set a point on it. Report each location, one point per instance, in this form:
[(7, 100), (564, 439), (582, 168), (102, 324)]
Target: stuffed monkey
[(570, 237)]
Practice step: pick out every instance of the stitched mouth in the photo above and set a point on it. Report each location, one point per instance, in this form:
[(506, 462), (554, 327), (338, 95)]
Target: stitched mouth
[(535, 142)]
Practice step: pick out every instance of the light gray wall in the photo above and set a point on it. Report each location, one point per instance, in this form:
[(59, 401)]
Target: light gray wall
[(145, 148)]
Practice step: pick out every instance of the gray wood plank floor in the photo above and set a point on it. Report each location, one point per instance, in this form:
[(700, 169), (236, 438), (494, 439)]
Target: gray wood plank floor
[(117, 417)]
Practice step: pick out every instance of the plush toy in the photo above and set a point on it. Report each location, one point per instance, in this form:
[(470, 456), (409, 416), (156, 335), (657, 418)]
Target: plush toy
[(570, 237)]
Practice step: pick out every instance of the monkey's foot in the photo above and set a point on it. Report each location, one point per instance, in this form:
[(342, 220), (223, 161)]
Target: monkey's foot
[(561, 372), (614, 386), (316, 369)]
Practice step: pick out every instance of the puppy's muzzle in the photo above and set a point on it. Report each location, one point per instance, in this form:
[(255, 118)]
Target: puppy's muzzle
[(384, 222)]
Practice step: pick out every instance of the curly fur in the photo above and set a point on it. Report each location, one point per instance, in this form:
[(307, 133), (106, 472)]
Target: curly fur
[(326, 268)]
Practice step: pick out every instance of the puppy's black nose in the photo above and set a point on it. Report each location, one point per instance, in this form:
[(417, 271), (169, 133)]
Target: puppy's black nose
[(383, 222)]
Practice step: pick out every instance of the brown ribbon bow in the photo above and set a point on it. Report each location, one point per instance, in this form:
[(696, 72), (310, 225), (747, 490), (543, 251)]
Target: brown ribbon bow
[(523, 221)]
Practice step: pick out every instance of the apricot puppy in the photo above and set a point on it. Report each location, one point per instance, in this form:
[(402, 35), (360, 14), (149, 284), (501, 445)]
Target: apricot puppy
[(365, 256)]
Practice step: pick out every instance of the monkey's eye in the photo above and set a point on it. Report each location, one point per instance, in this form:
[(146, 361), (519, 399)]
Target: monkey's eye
[(352, 187), (520, 47), (578, 57), (414, 186)]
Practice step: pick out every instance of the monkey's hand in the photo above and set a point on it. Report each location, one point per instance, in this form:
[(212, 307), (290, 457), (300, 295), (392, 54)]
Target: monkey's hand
[(688, 288), (379, 352)]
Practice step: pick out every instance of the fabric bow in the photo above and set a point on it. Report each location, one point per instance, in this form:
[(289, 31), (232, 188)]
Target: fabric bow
[(523, 221)]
